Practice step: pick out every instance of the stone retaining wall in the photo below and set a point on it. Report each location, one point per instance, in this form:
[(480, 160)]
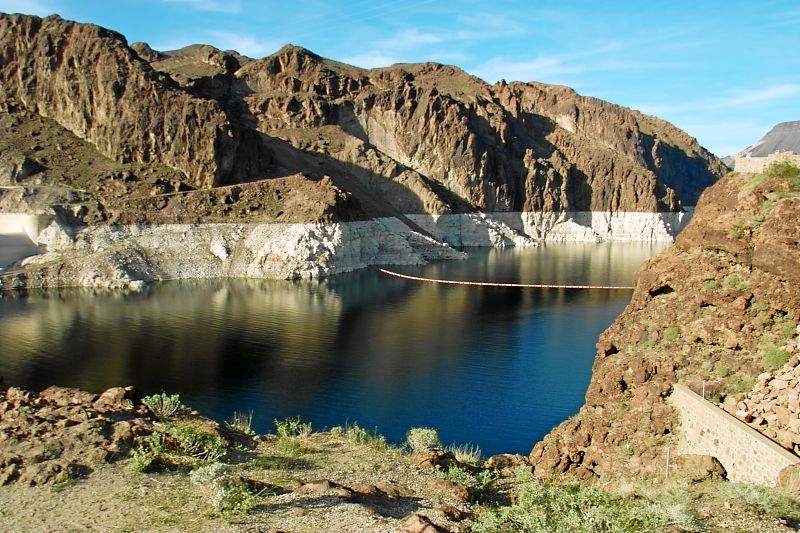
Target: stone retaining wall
[(747, 455), (757, 164)]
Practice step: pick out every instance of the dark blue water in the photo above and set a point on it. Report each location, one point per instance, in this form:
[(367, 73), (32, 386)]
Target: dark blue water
[(496, 367)]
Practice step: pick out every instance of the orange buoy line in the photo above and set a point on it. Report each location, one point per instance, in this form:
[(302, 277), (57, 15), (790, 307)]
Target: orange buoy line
[(492, 284)]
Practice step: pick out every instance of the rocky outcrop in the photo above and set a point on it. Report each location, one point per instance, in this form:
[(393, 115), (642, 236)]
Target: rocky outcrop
[(90, 82), (407, 139), (714, 312), (783, 136), (773, 406), (62, 434)]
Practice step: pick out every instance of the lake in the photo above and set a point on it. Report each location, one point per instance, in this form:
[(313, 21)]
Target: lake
[(495, 367)]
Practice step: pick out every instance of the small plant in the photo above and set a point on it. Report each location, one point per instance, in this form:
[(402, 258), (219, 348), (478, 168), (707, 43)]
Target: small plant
[(772, 502), (63, 480), (466, 453), (209, 472), (540, 508), (733, 282), (741, 383), (196, 442), (242, 422), (289, 446), (457, 474), (738, 230), (163, 405), (148, 453), (788, 329), (710, 284), (292, 427), (774, 358), (423, 439), (759, 306), (671, 333), (355, 433), (234, 496)]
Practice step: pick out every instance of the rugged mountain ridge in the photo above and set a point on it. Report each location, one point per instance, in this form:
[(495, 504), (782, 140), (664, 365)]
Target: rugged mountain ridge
[(718, 312), (424, 138), (783, 136)]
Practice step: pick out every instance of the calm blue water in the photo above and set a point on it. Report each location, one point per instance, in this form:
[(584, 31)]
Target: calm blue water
[(496, 367)]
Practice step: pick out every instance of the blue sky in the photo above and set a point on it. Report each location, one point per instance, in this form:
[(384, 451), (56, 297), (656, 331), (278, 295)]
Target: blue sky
[(724, 71)]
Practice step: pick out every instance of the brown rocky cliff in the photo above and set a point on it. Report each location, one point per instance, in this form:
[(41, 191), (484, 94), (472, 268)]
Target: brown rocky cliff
[(403, 139), (719, 307), (89, 81)]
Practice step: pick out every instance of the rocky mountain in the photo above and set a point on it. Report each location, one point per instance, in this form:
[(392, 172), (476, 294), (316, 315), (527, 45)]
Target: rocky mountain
[(783, 136), (718, 312), (105, 128)]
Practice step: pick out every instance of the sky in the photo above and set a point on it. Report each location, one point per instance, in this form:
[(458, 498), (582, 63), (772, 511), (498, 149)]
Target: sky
[(724, 71)]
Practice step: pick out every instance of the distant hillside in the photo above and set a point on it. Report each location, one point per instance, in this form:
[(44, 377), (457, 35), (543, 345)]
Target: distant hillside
[(783, 136)]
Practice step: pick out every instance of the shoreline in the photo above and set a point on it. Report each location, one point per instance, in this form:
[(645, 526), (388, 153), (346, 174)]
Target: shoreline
[(131, 256)]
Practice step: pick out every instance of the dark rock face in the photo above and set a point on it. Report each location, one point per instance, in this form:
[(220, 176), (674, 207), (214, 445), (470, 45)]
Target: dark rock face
[(407, 138), (713, 312)]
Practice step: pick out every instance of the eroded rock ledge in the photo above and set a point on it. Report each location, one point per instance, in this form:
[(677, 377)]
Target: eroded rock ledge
[(119, 256)]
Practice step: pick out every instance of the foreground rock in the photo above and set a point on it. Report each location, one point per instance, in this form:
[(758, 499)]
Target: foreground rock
[(66, 433), (715, 312)]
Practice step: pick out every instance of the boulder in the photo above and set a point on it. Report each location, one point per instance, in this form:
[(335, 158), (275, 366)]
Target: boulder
[(697, 468)]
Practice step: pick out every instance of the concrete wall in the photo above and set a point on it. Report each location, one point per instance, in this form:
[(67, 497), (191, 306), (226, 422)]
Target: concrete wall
[(747, 455), (757, 164)]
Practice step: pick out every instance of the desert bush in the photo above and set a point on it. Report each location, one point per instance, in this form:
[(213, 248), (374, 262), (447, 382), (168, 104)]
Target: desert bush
[(209, 472), (774, 358), (292, 427), (466, 453), (769, 501), (457, 474), (671, 333), (177, 445), (540, 508), (163, 405), (423, 439), (242, 422), (710, 284), (355, 433)]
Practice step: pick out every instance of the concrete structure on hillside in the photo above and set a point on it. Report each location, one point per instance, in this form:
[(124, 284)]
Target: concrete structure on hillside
[(747, 455), (757, 164)]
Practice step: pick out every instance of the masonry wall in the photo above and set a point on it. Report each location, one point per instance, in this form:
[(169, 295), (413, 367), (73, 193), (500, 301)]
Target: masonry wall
[(747, 455), (757, 164)]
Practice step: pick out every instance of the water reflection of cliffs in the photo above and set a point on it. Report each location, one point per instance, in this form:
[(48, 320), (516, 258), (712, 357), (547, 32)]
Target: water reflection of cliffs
[(292, 340)]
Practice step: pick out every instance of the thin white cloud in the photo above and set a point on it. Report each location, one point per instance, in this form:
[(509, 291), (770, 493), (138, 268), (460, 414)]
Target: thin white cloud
[(41, 8), (230, 6), (244, 43), (371, 60), (408, 40), (732, 101), (762, 96)]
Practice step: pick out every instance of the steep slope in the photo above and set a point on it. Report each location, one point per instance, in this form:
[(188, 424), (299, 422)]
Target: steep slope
[(424, 138), (716, 310)]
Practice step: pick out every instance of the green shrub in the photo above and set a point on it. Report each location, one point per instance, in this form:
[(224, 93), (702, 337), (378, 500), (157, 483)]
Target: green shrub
[(355, 433), (541, 508), (671, 333), (733, 282), (176, 445), (710, 284), (772, 502), (289, 446), (292, 427), (788, 329), (423, 439), (785, 171), (164, 406), (457, 474), (741, 383), (234, 496), (759, 306), (196, 442), (774, 358), (209, 472), (738, 230)]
